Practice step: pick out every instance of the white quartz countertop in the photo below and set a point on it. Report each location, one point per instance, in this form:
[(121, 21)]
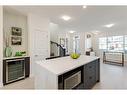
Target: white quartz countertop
[(62, 65)]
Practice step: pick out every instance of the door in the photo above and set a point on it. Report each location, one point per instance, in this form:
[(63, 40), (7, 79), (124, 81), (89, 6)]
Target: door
[(76, 44), (40, 45)]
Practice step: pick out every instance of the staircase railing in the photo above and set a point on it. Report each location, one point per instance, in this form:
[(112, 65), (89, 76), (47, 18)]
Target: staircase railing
[(62, 51)]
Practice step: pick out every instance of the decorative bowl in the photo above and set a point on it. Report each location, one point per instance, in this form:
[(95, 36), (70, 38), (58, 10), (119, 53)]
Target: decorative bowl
[(75, 55)]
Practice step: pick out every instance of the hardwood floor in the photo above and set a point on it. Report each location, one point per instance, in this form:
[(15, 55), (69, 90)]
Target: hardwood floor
[(112, 77), (27, 83)]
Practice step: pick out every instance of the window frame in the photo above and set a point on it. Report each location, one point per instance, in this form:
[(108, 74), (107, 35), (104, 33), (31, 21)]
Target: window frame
[(123, 42)]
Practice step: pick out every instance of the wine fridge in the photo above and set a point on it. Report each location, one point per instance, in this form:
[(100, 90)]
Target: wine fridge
[(15, 69)]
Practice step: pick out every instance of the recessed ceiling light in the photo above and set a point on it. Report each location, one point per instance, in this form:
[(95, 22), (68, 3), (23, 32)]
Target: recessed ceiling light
[(109, 25), (72, 31), (84, 7), (66, 18)]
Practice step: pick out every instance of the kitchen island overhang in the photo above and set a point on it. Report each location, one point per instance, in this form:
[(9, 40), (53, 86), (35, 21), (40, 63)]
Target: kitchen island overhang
[(55, 73)]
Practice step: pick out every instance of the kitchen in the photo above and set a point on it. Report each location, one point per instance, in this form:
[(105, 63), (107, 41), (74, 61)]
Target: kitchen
[(46, 40)]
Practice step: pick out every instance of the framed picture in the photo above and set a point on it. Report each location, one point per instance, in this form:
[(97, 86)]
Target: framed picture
[(16, 31), (16, 40)]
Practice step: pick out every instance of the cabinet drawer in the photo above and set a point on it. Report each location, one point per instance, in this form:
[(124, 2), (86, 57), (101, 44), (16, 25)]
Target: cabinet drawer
[(91, 65), (90, 81), (91, 68), (89, 75)]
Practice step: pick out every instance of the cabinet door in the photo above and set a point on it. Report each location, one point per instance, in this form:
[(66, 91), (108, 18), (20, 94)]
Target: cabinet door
[(4, 72), (98, 70), (89, 75), (60, 82), (89, 81), (27, 66)]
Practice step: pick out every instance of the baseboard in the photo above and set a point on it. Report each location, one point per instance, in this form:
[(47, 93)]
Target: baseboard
[(1, 85), (31, 75)]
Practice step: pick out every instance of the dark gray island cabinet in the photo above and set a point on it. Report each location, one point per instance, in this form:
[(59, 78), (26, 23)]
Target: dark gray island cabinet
[(67, 73), (90, 75)]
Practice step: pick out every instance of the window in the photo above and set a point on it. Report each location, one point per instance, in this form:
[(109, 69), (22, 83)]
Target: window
[(115, 43), (126, 43), (103, 43)]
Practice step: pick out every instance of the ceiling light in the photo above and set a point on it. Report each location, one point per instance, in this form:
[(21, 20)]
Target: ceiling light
[(84, 7), (66, 18), (72, 31), (109, 25)]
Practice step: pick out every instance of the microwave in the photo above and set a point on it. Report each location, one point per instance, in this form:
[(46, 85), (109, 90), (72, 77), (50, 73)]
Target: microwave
[(72, 81)]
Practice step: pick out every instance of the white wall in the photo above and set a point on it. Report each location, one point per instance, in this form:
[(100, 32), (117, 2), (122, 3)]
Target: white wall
[(16, 20), (106, 34), (54, 30), (1, 44), (36, 22)]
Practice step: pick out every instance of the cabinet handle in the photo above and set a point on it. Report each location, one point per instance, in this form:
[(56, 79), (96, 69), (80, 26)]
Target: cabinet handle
[(90, 77), (90, 66)]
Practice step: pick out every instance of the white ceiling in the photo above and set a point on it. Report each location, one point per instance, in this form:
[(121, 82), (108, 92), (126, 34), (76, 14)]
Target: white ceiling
[(83, 20)]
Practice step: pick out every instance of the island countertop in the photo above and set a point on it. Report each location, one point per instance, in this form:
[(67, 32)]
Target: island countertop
[(62, 65)]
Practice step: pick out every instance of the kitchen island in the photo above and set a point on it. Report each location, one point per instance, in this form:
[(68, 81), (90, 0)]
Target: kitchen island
[(67, 73)]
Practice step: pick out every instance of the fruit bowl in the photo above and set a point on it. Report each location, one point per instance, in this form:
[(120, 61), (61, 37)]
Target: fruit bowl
[(75, 55)]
